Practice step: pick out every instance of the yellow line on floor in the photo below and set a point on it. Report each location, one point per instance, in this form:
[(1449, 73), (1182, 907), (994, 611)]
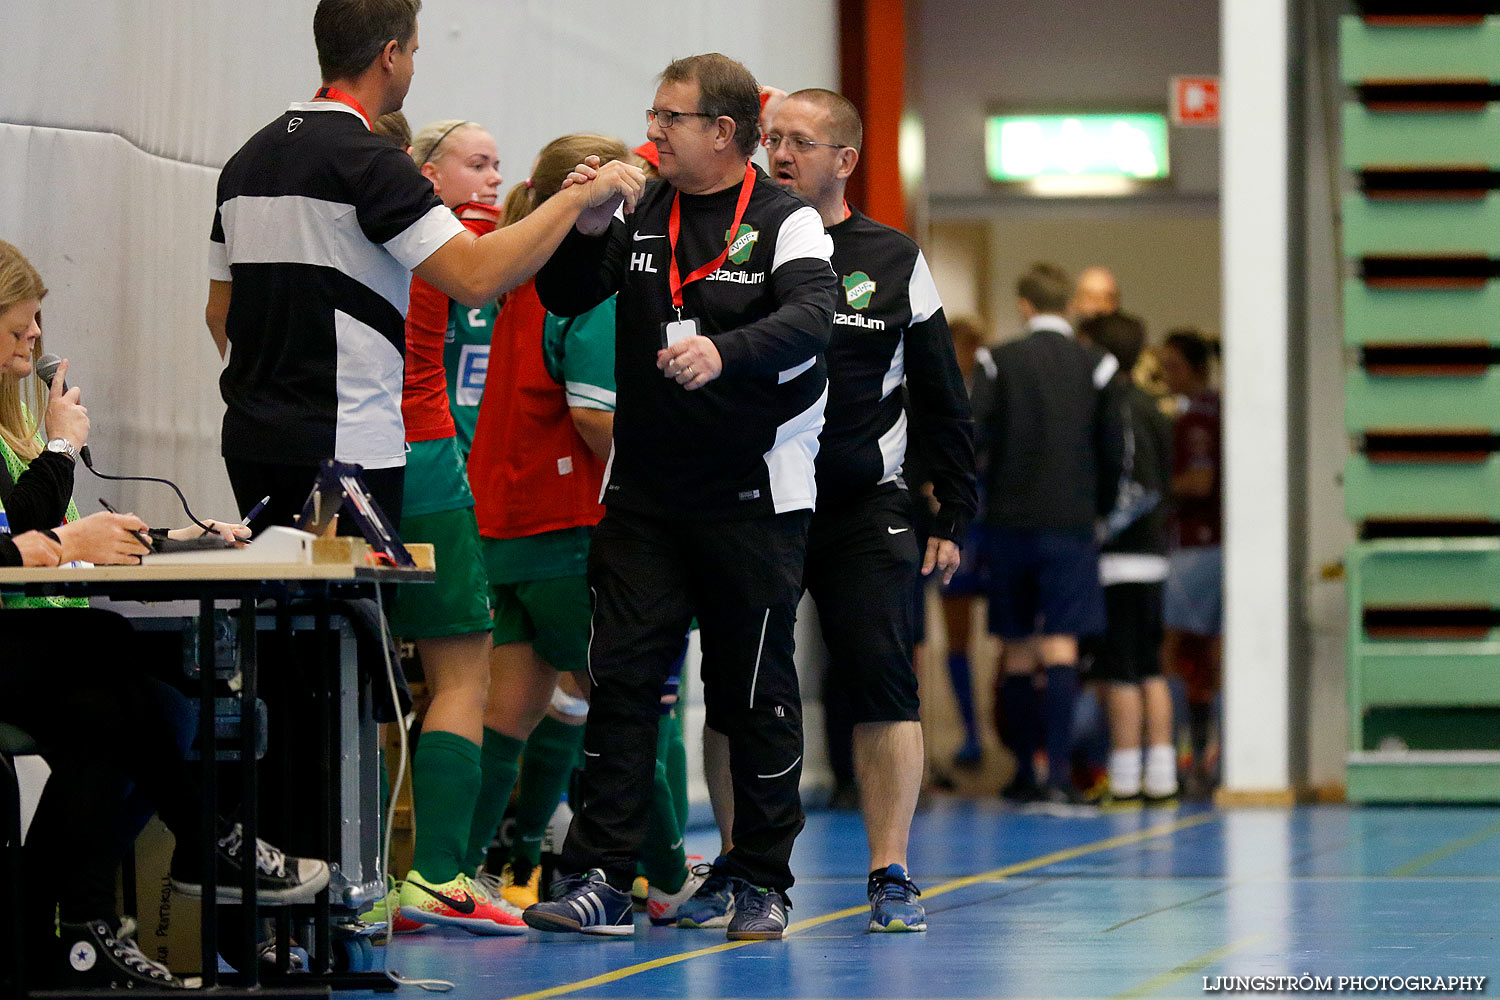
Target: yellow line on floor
[(631, 970), (1192, 965), (1446, 851), (1056, 857)]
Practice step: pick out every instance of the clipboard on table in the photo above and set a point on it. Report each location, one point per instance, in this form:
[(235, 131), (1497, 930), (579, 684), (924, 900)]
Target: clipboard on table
[(339, 489)]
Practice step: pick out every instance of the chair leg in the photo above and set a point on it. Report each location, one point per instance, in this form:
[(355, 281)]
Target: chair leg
[(10, 802), (127, 883)]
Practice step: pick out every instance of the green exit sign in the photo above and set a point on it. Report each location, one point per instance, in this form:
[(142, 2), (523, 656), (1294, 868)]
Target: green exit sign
[(1107, 148)]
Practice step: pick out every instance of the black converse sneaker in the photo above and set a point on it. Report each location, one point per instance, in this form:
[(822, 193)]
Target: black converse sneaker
[(99, 956), (280, 878)]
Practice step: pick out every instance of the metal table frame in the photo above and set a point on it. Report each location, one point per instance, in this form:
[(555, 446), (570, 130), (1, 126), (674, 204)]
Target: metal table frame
[(207, 584)]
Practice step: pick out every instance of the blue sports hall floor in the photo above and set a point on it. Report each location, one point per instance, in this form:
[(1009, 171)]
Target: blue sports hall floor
[(1141, 903)]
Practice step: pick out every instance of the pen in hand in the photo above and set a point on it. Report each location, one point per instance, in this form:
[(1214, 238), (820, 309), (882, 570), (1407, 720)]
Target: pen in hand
[(144, 536), (255, 511)]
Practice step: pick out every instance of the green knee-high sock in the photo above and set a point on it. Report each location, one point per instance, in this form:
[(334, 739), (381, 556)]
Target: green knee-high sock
[(551, 754), (672, 751), (500, 759), (663, 861), (664, 730), (445, 781)]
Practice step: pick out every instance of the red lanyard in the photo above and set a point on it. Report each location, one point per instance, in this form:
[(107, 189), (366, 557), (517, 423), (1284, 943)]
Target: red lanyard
[(674, 226), (335, 94)]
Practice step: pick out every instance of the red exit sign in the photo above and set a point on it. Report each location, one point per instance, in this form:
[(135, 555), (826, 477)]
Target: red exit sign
[(1195, 100)]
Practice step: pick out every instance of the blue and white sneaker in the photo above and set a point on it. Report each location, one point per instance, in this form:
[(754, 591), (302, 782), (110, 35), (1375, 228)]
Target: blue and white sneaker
[(585, 903), (893, 902), (713, 903), (759, 914)]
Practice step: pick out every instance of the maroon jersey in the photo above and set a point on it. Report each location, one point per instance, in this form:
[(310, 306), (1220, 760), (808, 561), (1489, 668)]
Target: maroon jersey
[(1196, 441)]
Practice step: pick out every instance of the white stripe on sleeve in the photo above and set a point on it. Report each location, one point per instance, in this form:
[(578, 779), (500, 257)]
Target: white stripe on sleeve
[(1105, 371), (802, 235), (922, 292), (422, 238), (791, 373), (589, 397), (895, 373), (218, 261)]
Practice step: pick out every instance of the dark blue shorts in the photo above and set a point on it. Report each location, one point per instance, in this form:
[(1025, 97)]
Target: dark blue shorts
[(1043, 583), (973, 576)]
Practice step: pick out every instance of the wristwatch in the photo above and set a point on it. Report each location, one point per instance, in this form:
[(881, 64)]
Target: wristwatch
[(63, 446)]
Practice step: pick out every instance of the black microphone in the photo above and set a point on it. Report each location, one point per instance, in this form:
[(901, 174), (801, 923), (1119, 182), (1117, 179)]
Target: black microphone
[(46, 368)]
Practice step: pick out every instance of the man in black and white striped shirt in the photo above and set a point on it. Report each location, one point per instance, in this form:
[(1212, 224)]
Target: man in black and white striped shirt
[(319, 225)]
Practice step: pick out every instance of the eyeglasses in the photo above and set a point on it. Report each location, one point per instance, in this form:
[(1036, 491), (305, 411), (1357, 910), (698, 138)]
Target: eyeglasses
[(666, 119), (799, 143)]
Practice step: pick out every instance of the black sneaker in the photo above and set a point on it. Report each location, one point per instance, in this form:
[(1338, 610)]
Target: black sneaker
[(281, 879), (102, 957), (1022, 790), (759, 915), (296, 956), (1121, 803), (969, 757), (1066, 801), (585, 903)]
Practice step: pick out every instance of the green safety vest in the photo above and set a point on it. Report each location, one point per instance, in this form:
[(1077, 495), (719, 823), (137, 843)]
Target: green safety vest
[(17, 465)]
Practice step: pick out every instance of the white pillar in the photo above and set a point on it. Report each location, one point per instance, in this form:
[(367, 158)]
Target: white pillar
[(1257, 399)]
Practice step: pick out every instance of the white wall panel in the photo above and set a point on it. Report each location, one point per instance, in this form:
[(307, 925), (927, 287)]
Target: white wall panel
[(134, 104), (191, 79), (118, 237), (187, 79), (115, 116), (532, 70)]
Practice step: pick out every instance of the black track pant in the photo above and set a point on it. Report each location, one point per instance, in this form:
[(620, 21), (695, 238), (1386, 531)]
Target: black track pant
[(71, 678), (649, 577)]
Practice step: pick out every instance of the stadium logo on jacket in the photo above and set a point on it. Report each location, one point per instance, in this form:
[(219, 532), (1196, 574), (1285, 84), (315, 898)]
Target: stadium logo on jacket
[(743, 243), (858, 288)]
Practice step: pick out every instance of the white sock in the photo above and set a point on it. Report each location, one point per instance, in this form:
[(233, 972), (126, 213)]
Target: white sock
[(1161, 771), (1125, 773)]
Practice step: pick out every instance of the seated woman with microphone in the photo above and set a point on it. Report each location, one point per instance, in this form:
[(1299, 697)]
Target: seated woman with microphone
[(71, 677)]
